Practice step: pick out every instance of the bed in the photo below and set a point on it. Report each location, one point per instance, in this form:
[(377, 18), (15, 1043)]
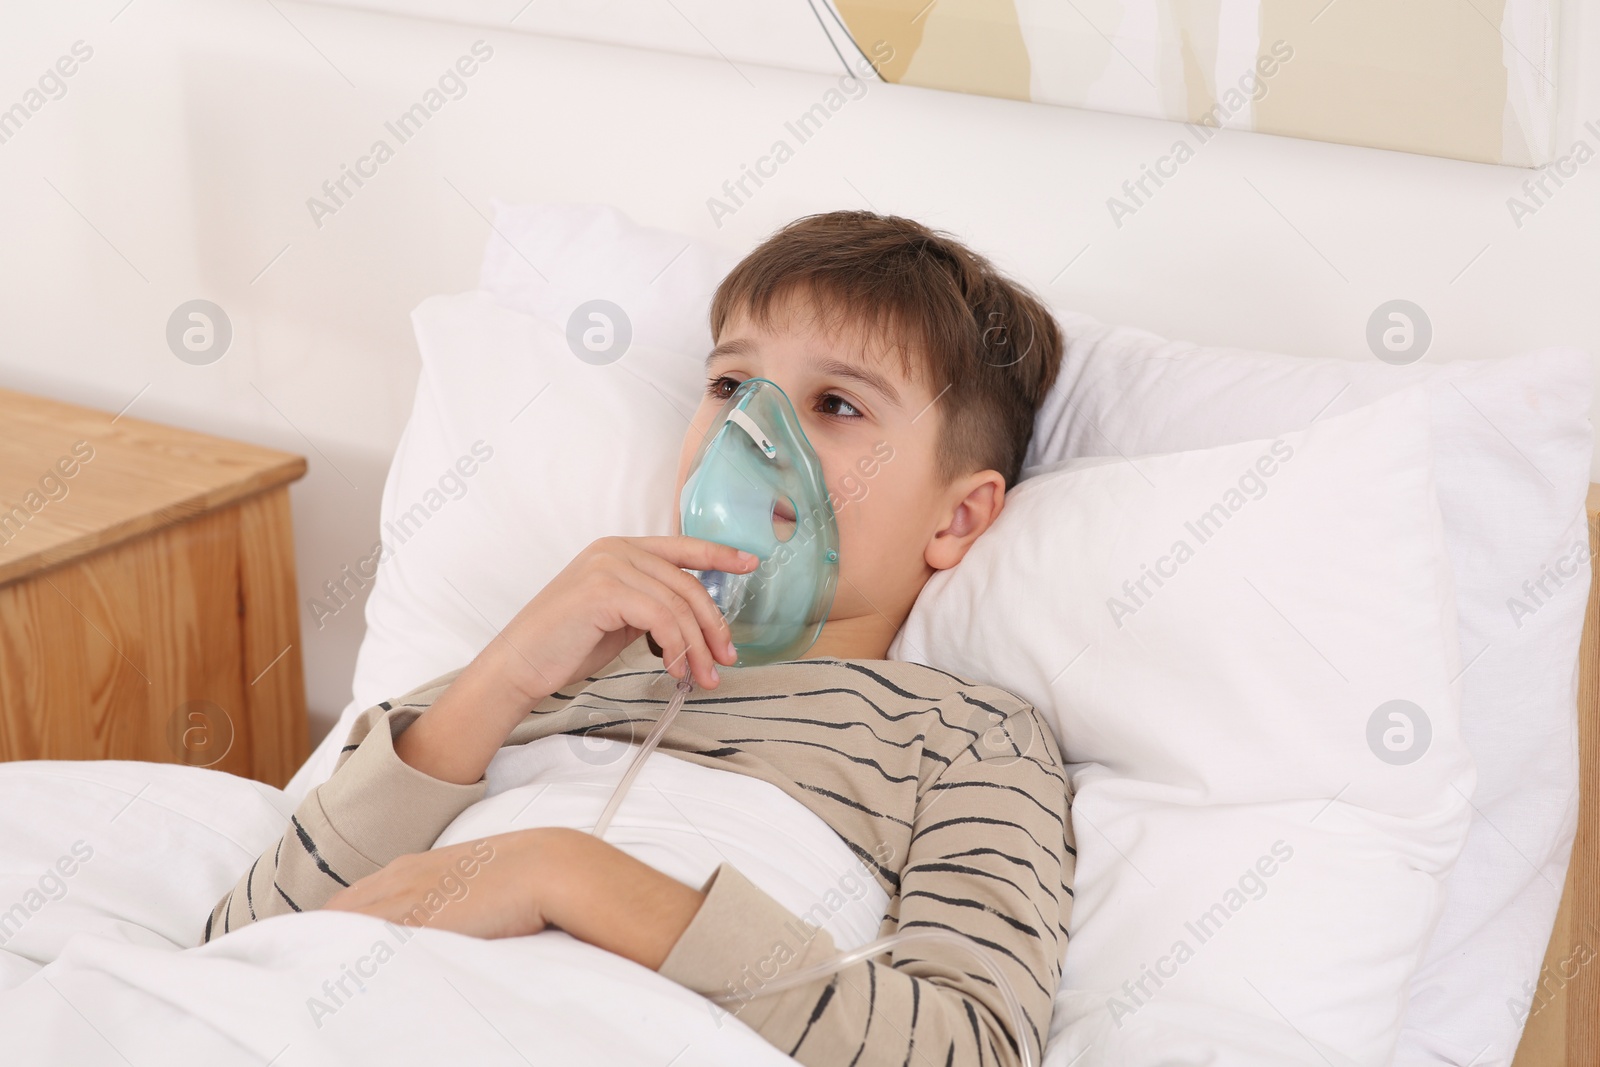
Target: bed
[(125, 983), (97, 915)]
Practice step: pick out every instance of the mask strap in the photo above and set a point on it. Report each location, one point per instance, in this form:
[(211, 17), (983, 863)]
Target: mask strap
[(741, 419)]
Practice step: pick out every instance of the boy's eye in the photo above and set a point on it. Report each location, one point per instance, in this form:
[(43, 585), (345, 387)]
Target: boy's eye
[(829, 399), (831, 404)]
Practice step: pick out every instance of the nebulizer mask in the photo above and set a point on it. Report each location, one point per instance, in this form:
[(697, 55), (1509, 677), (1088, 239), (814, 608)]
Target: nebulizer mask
[(755, 484)]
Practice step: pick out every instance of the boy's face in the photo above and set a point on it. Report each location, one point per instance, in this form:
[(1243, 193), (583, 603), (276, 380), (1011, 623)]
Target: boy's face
[(875, 432)]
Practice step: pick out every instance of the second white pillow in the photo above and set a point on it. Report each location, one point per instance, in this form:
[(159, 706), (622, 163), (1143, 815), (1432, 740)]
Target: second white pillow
[(1250, 656)]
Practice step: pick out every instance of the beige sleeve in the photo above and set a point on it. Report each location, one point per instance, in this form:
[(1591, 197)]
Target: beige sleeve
[(374, 808), (739, 940)]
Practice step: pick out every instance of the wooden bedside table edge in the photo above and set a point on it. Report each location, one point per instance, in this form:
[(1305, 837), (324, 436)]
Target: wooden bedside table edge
[(290, 470), (95, 423)]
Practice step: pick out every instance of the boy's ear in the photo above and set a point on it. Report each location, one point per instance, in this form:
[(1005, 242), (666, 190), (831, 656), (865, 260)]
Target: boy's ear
[(974, 503)]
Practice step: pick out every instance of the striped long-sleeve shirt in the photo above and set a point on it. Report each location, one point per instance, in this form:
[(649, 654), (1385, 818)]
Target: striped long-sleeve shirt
[(950, 792)]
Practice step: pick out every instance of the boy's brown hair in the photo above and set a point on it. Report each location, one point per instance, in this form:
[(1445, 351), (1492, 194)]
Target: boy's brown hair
[(989, 348)]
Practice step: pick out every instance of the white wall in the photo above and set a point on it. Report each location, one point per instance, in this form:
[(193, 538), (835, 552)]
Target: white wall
[(180, 159)]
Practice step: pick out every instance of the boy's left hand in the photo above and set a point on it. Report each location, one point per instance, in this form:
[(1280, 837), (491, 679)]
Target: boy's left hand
[(519, 883), (486, 888)]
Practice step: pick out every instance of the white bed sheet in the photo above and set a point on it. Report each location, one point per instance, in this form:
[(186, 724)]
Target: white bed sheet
[(108, 869)]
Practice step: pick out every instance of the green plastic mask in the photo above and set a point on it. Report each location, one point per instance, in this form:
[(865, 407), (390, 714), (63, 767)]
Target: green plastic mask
[(755, 484)]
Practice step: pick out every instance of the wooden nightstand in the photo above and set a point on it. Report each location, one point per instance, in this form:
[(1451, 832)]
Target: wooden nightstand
[(147, 594)]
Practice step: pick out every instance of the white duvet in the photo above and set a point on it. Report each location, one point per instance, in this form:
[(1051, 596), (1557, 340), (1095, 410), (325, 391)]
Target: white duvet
[(108, 870)]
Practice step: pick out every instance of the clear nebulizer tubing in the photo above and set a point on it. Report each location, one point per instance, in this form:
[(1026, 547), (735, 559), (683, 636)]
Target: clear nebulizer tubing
[(828, 967), (650, 742)]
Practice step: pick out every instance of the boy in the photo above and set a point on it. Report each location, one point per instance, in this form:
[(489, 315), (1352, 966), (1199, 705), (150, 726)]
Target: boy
[(883, 334)]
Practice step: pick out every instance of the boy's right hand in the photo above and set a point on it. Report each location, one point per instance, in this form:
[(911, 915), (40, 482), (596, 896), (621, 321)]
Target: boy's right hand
[(614, 591)]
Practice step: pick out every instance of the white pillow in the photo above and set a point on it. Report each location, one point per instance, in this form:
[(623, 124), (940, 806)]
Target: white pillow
[(577, 448), (1514, 444), (560, 453), (1220, 639)]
